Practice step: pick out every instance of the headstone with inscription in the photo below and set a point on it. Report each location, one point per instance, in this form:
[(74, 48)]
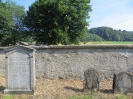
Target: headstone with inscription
[(20, 70), (123, 82)]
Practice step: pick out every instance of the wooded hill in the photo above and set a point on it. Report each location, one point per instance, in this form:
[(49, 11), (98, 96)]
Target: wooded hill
[(108, 34)]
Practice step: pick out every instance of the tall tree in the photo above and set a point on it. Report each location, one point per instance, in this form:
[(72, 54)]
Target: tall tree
[(18, 13), (6, 21), (58, 21), (18, 31)]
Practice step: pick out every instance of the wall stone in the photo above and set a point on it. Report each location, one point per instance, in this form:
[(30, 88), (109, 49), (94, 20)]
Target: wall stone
[(2, 61), (72, 61)]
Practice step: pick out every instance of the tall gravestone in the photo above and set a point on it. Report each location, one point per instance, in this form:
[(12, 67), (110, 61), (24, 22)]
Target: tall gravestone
[(123, 82), (91, 80), (20, 70)]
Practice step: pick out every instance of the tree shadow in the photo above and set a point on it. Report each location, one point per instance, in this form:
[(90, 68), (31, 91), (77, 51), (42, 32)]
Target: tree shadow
[(74, 89), (2, 88), (110, 91)]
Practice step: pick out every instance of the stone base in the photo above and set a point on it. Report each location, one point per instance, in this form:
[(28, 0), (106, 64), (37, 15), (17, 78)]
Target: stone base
[(94, 90), (18, 91)]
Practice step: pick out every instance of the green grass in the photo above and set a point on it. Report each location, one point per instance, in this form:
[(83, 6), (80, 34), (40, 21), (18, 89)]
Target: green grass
[(122, 97), (90, 95), (96, 95), (111, 42), (9, 97)]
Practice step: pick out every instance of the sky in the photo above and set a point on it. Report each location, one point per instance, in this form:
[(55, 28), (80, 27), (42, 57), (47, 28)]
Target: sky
[(117, 14)]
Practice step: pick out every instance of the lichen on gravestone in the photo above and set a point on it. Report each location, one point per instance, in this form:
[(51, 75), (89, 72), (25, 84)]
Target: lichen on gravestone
[(91, 80), (123, 82)]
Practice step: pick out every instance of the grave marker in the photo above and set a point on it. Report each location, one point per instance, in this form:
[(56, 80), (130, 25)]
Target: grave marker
[(20, 70), (123, 82), (91, 80)]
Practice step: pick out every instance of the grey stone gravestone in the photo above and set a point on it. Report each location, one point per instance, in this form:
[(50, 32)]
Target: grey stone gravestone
[(123, 82), (91, 80), (20, 70)]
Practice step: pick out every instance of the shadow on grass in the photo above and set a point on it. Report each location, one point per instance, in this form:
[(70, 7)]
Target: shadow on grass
[(107, 91), (81, 90), (74, 89), (2, 88)]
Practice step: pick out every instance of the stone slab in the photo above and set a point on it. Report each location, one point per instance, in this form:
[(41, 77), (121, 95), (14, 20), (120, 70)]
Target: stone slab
[(8, 91), (91, 80), (123, 82), (20, 70)]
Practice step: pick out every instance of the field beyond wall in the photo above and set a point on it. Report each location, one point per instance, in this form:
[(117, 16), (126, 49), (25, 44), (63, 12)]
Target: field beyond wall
[(107, 42)]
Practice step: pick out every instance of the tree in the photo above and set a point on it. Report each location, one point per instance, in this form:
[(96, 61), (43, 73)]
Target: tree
[(18, 13), (116, 37), (94, 37), (91, 36), (18, 31), (109, 34), (6, 21), (58, 21)]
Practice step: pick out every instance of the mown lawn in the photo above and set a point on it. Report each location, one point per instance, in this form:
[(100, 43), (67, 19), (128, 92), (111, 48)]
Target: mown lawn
[(109, 42)]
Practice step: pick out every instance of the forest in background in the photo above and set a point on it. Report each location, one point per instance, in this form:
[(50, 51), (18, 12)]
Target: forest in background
[(108, 34)]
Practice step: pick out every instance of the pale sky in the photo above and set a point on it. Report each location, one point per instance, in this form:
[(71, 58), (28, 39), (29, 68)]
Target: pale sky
[(117, 14)]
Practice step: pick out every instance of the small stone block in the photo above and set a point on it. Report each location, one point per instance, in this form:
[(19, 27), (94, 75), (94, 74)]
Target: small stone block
[(123, 82), (91, 80)]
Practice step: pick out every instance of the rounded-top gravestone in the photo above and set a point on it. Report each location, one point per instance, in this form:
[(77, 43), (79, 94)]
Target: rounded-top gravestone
[(20, 70)]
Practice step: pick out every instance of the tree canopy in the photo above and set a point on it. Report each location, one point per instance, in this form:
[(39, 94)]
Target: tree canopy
[(58, 21), (12, 29), (110, 34), (6, 21), (17, 11)]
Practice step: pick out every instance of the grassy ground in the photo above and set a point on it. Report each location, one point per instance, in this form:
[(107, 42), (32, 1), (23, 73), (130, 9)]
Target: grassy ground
[(109, 42), (65, 89)]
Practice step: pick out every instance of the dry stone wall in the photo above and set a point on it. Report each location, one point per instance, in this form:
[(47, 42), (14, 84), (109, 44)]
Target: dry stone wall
[(72, 61)]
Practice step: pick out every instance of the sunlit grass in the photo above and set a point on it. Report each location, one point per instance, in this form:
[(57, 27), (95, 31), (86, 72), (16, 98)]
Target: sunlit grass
[(108, 42)]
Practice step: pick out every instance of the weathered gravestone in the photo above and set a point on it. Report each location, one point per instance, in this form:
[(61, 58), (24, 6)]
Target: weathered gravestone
[(91, 80), (123, 82), (20, 70)]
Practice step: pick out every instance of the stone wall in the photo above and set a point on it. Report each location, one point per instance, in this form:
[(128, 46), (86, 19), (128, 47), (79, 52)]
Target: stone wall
[(72, 61), (2, 61)]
